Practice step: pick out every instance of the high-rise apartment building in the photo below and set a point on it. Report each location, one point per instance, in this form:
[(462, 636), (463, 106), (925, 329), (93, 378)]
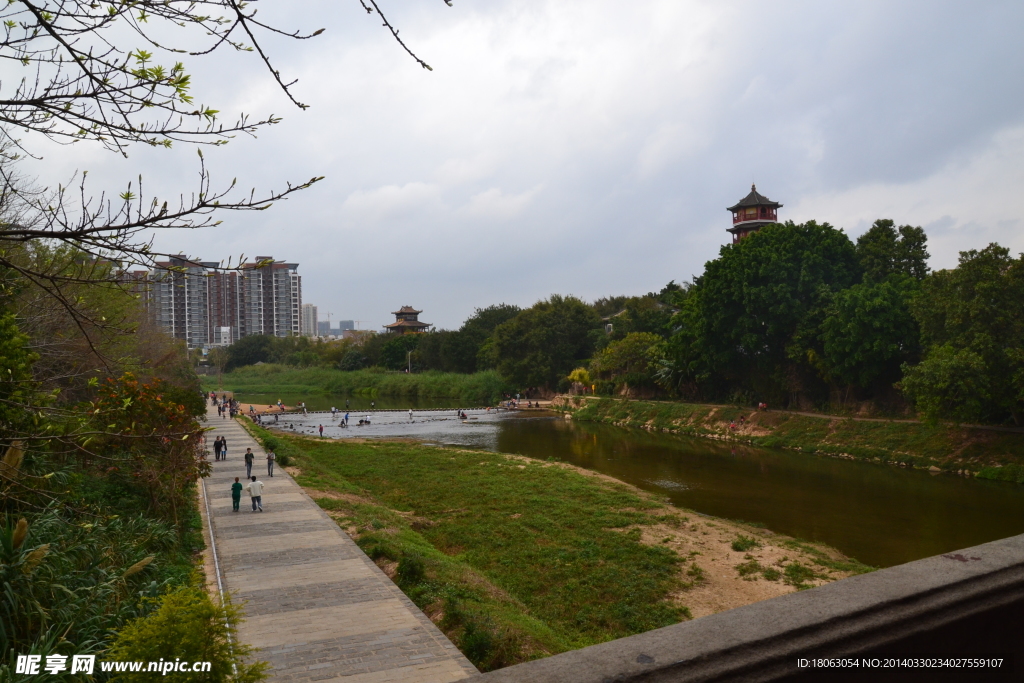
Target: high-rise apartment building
[(206, 307), (309, 321)]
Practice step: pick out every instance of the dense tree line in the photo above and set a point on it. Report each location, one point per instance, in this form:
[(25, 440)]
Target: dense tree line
[(795, 315)]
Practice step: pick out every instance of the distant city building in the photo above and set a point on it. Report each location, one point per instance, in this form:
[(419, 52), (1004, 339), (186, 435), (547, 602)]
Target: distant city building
[(310, 325), (752, 213), (205, 307), (407, 321), (324, 328)]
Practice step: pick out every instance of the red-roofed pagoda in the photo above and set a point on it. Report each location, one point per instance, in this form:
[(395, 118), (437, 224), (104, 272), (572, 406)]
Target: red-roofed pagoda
[(752, 213), (407, 321)]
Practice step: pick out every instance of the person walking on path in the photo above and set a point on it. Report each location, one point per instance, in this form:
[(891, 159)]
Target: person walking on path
[(217, 445), (223, 448), (255, 489), (321, 431), (249, 457), (271, 458), (236, 495)]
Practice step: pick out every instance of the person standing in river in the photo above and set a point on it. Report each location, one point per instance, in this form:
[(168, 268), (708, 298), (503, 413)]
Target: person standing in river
[(321, 431)]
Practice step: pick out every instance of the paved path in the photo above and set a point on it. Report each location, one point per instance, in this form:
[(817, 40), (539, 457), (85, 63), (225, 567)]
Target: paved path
[(316, 606)]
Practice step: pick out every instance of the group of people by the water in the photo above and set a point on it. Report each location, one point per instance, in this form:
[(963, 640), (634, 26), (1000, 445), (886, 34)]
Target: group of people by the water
[(226, 407)]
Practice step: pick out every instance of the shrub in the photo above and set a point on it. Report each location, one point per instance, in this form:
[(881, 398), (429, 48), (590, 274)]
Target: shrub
[(186, 624), (411, 570), (744, 543)]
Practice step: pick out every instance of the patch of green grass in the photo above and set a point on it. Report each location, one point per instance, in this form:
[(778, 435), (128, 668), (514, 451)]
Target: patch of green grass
[(539, 558), (696, 575), (823, 559), (798, 575), (750, 569), (744, 543), (481, 388), (1014, 473)]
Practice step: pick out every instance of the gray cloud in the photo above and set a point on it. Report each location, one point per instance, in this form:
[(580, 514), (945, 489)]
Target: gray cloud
[(591, 147)]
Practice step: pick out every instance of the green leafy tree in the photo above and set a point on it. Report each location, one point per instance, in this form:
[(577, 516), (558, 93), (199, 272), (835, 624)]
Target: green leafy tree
[(950, 383), (542, 344), (869, 333), (256, 348), (353, 360), (883, 251), (17, 385), (630, 362), (751, 322), (464, 348), (394, 353), (972, 329)]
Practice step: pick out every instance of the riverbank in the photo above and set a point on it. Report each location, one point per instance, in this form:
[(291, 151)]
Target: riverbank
[(481, 388), (967, 451), (516, 558)]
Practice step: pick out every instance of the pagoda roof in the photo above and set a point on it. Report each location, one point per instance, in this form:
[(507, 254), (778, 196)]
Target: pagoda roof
[(407, 323), (753, 199), (406, 309)]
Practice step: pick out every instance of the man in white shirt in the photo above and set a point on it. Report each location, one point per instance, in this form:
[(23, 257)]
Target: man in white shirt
[(255, 489)]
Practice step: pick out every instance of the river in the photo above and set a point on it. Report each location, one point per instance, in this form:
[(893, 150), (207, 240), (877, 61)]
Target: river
[(879, 514)]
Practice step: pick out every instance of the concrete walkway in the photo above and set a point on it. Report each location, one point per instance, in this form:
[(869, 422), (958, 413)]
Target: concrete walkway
[(316, 606)]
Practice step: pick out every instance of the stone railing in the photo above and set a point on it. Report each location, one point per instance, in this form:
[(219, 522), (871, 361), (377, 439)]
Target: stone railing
[(968, 603)]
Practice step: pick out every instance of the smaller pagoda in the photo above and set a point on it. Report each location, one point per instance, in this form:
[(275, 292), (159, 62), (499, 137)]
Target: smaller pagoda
[(752, 213), (407, 321)]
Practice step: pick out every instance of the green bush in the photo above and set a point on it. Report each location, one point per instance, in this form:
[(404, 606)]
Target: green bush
[(744, 543), (411, 570), (187, 625)]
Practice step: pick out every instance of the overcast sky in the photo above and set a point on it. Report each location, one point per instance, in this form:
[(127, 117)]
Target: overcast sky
[(590, 147)]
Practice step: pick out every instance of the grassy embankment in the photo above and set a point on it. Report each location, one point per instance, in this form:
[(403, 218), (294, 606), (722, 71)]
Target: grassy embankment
[(983, 453), (481, 388), (516, 559)]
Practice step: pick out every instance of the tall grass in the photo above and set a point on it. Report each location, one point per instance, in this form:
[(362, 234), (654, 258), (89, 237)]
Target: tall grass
[(480, 388)]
